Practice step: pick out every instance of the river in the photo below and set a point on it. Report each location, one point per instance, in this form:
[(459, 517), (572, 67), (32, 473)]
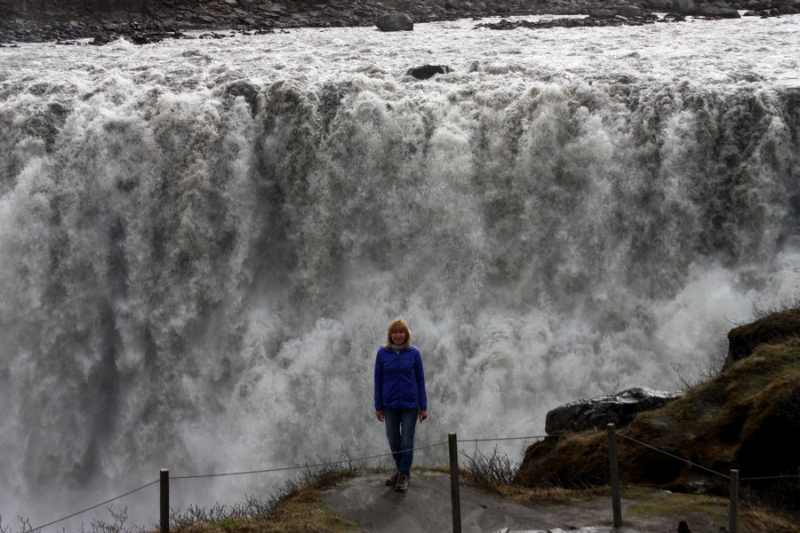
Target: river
[(203, 241)]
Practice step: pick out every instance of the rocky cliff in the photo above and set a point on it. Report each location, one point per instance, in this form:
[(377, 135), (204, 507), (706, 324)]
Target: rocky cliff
[(747, 418), (40, 20)]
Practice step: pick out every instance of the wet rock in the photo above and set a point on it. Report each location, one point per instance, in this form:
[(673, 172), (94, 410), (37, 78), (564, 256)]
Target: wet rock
[(146, 38), (629, 11), (603, 13), (686, 7), (428, 71), (102, 38), (597, 413), (68, 20), (395, 22), (717, 11)]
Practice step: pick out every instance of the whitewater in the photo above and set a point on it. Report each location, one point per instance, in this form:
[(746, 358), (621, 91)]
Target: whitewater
[(203, 241)]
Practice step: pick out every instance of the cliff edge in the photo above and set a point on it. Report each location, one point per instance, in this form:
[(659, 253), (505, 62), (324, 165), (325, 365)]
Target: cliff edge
[(61, 20), (745, 418)]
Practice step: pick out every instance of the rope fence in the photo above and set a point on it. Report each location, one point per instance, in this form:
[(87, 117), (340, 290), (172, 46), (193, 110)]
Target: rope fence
[(73, 515), (762, 478), (452, 443), (317, 465), (674, 456), (733, 479), (248, 472), (534, 437)]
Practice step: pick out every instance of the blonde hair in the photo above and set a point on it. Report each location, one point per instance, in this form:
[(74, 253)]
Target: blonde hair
[(398, 324)]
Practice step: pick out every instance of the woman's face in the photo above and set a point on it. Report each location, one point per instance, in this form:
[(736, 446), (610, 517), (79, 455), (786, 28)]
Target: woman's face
[(398, 337)]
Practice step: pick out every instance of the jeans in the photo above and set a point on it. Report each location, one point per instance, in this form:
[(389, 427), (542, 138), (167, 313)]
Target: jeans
[(400, 426)]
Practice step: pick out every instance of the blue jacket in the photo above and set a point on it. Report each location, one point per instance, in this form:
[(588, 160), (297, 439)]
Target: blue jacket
[(400, 380)]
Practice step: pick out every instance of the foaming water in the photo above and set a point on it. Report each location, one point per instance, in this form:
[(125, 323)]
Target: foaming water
[(201, 242)]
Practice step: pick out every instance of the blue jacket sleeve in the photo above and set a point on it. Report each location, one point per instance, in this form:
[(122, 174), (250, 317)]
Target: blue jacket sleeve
[(420, 373), (378, 382)]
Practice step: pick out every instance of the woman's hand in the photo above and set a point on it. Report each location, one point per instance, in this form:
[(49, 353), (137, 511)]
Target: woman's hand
[(423, 414), (379, 415)]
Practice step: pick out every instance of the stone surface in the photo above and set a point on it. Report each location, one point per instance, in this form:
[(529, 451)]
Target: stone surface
[(427, 507), (428, 71), (597, 413), (62, 20), (395, 22)]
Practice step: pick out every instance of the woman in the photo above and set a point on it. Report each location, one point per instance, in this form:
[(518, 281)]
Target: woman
[(400, 397)]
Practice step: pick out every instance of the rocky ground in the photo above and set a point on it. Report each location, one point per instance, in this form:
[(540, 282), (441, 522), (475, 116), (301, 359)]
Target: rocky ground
[(147, 21), (427, 506)]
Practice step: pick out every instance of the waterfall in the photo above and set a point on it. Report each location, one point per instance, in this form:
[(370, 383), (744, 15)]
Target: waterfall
[(197, 267)]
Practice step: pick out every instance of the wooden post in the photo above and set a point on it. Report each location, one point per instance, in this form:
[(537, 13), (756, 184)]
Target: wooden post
[(734, 506), (164, 500), (455, 499), (616, 502)]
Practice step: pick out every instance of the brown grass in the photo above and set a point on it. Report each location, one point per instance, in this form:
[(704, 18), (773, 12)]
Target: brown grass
[(747, 418), (762, 520)]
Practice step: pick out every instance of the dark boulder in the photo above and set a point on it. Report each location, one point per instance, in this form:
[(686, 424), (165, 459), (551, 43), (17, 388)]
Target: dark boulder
[(717, 11), (629, 11), (597, 413), (603, 13), (395, 22), (428, 71), (102, 38), (685, 7)]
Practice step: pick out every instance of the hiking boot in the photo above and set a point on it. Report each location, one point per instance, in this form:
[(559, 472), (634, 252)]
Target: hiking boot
[(402, 483), (393, 479)]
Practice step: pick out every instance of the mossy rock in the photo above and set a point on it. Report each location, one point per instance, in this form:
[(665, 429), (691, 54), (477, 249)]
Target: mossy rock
[(747, 418), (776, 327)]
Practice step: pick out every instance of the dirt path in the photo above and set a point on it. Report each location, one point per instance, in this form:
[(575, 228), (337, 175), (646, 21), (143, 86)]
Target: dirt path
[(426, 507)]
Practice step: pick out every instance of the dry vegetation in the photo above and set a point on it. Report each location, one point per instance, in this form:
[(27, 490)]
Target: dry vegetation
[(746, 418)]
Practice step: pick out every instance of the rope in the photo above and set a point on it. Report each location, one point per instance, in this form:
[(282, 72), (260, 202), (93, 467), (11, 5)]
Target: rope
[(297, 467), (94, 506), (673, 456), (236, 474), (768, 477), (508, 438)]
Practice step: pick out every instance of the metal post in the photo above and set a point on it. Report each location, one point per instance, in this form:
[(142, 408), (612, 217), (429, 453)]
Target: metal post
[(452, 440), (734, 507), (616, 502), (164, 500)]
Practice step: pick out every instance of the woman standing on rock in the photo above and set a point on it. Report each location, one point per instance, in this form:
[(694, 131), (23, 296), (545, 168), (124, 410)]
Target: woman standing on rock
[(400, 397)]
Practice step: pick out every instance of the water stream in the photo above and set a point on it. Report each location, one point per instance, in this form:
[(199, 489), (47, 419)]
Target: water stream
[(202, 242)]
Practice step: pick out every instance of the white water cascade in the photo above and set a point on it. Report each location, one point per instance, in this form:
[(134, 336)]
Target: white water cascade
[(202, 242)]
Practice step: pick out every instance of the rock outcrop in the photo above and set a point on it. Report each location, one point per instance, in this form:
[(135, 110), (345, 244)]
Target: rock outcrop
[(747, 417), (775, 327), (61, 20), (428, 71), (395, 22), (618, 409)]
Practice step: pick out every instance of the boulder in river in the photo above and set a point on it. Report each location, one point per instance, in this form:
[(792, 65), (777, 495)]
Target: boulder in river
[(428, 71), (395, 22)]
